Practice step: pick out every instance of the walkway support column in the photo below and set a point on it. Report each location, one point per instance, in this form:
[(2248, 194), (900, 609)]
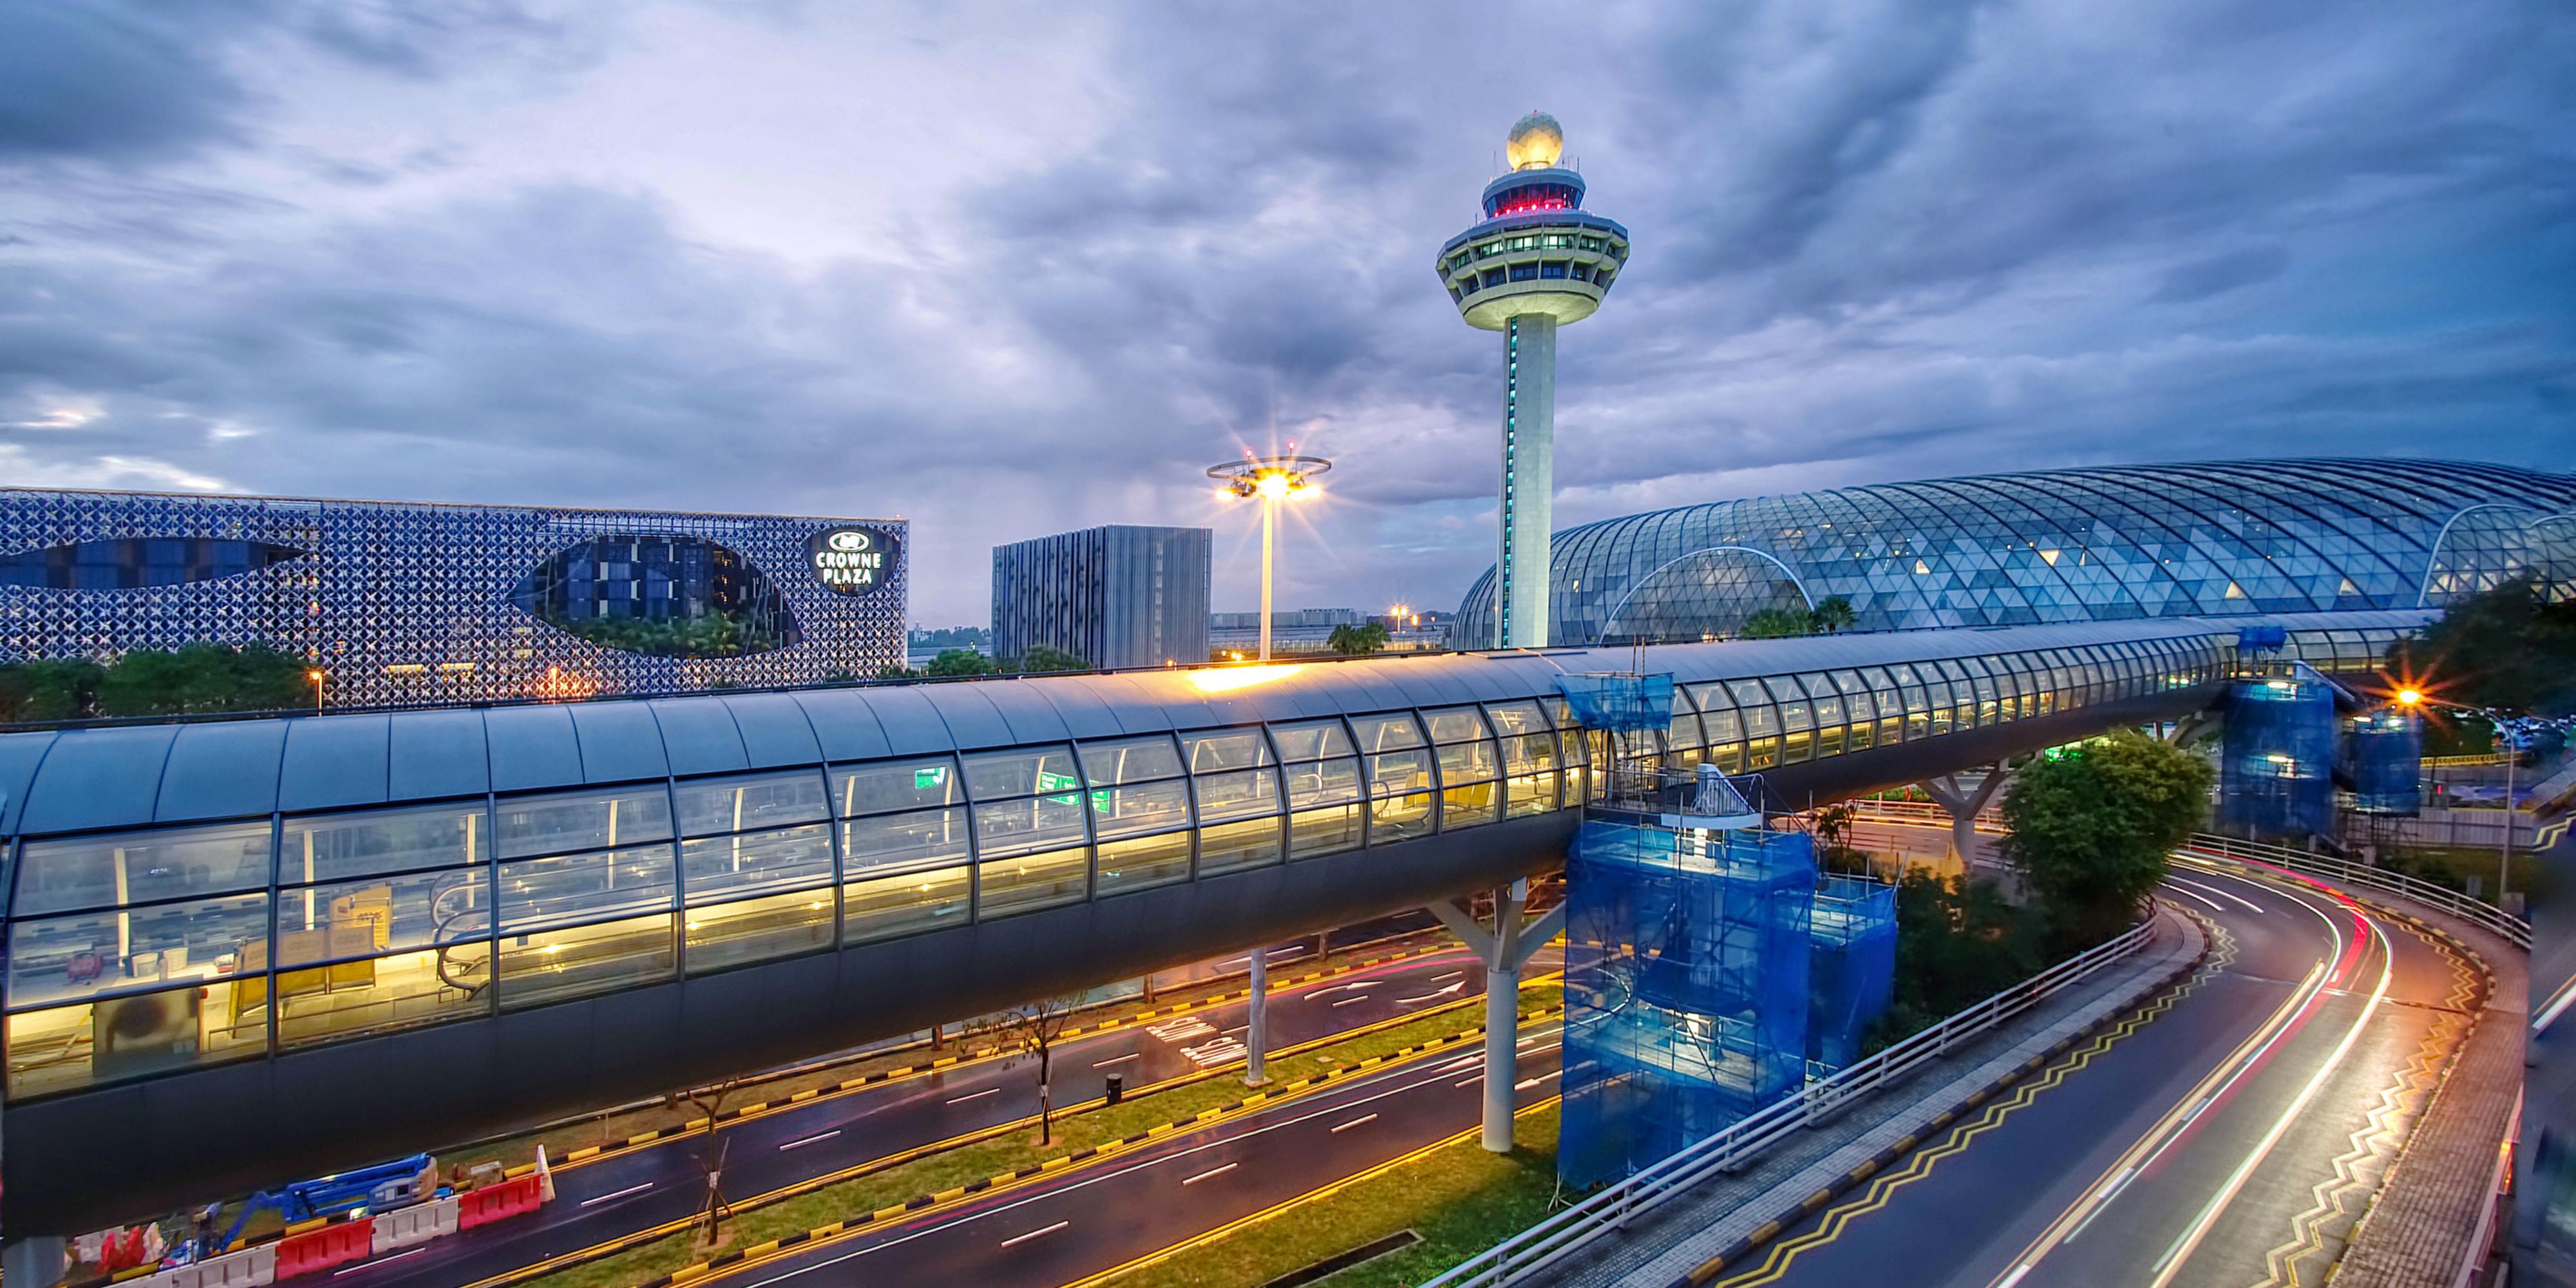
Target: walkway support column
[(1964, 804), (1255, 1045), (1504, 948)]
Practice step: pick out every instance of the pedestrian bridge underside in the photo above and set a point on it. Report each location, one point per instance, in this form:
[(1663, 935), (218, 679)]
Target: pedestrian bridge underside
[(242, 951)]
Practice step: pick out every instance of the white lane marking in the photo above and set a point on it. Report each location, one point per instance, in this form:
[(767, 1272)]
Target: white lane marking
[(1213, 1171), (2250, 905), (1240, 1028), (2102, 1199), (1035, 1233), (2015, 1277), (1527, 1083), (2557, 1007), (1377, 1084), (1370, 1118), (1468, 1082), (631, 1189), (793, 1144), (1328, 988), (1103, 1064), (1443, 979), (988, 1091), (377, 1262), (1348, 1000), (2214, 905)]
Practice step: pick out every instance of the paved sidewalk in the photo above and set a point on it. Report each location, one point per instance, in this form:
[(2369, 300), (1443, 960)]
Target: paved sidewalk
[(2420, 1229), (1732, 1214)]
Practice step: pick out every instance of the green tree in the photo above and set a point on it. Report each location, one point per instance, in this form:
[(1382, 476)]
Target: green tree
[(202, 677), (2091, 830), (1357, 641), (66, 690), (1832, 613), (961, 661), (1957, 943), (1047, 657), (1776, 623), (2509, 648), (1834, 850)]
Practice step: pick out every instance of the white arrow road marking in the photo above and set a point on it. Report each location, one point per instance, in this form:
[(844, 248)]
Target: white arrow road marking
[(1440, 992)]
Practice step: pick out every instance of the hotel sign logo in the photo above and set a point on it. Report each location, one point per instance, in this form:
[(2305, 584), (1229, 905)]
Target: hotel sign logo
[(853, 561)]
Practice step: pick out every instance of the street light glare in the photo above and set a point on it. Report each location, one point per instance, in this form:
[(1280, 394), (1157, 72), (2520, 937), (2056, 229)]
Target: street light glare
[(1272, 487), (2409, 697)]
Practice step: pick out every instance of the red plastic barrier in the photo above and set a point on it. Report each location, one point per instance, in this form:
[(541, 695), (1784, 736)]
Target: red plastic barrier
[(493, 1202), (332, 1245)]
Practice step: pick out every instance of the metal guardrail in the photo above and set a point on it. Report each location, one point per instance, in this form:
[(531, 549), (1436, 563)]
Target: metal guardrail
[(1650, 1187), (2328, 868)]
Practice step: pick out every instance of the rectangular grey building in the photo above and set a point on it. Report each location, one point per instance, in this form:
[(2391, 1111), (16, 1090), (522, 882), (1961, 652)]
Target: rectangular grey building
[(1114, 596)]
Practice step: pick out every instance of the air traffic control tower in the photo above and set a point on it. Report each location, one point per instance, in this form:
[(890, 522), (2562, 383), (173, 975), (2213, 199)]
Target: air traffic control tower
[(1536, 262)]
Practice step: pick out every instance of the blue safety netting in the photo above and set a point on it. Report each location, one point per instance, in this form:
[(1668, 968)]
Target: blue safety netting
[(2386, 755), (1619, 703), (2276, 762), (1685, 987), (1852, 974)]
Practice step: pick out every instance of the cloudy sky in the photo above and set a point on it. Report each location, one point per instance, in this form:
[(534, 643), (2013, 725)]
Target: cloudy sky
[(1008, 269)]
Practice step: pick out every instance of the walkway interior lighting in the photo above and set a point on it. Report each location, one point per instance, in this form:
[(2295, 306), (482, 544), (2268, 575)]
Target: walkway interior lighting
[(1230, 678)]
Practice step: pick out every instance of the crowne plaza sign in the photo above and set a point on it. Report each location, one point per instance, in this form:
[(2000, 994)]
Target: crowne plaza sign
[(853, 561)]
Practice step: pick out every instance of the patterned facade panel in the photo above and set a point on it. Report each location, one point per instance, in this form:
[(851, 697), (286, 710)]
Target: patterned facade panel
[(2221, 538), (407, 604)]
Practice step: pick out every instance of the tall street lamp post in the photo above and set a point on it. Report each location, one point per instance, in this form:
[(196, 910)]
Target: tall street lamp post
[(1269, 480), (315, 676)]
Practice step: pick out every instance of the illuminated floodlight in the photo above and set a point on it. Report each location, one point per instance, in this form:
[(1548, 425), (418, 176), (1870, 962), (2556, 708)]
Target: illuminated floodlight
[(1269, 480), (2410, 697)]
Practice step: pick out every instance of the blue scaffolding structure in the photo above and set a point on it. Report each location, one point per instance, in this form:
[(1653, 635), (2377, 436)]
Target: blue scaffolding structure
[(1685, 985), (2385, 751), (1852, 971), (2277, 760)]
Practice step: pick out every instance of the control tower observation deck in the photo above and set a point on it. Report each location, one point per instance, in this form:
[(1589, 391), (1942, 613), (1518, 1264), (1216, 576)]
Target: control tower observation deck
[(1536, 262)]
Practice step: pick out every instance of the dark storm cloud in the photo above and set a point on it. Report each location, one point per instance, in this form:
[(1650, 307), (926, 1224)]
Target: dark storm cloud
[(1873, 240)]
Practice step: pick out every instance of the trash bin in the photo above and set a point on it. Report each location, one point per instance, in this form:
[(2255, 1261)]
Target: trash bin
[(1117, 1087)]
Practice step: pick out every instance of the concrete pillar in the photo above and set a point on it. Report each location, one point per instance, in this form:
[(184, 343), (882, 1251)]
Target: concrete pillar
[(1529, 482), (1504, 949), (36, 1261), (1963, 806), (1255, 1045)]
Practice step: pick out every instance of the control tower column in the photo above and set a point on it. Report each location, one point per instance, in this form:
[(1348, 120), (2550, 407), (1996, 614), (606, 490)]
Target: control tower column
[(1529, 480)]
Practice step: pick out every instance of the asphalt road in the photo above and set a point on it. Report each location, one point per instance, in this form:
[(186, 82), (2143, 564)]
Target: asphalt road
[(622, 1193), (2201, 1147), (1074, 1224)]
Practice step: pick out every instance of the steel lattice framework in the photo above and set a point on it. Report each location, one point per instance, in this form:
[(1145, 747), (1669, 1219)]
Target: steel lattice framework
[(406, 604), (2234, 537)]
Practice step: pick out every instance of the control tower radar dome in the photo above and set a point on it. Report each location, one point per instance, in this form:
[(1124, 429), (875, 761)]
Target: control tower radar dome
[(1536, 142)]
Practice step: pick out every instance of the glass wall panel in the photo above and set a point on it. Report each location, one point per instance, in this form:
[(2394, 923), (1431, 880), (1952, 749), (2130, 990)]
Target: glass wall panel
[(1248, 843), (363, 918), (1323, 800), (1517, 718), (1029, 823), (996, 775), (1387, 732), (563, 821), (885, 907), (757, 929), (1144, 861), (537, 893), (711, 805), (202, 940), (1311, 740), (397, 991), (1007, 886), (787, 858), (69, 1047), (552, 965), (1209, 753), (1140, 807), (1399, 818), (332, 846), (930, 836), (1132, 760), (885, 787), (1241, 793), (140, 867), (1467, 762)]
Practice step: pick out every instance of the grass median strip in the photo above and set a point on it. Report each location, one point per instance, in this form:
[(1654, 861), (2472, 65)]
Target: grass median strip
[(975, 1167), (588, 1140), (1458, 1198)]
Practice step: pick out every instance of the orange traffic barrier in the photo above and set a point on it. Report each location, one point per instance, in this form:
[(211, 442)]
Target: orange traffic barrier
[(493, 1202), (332, 1245)]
